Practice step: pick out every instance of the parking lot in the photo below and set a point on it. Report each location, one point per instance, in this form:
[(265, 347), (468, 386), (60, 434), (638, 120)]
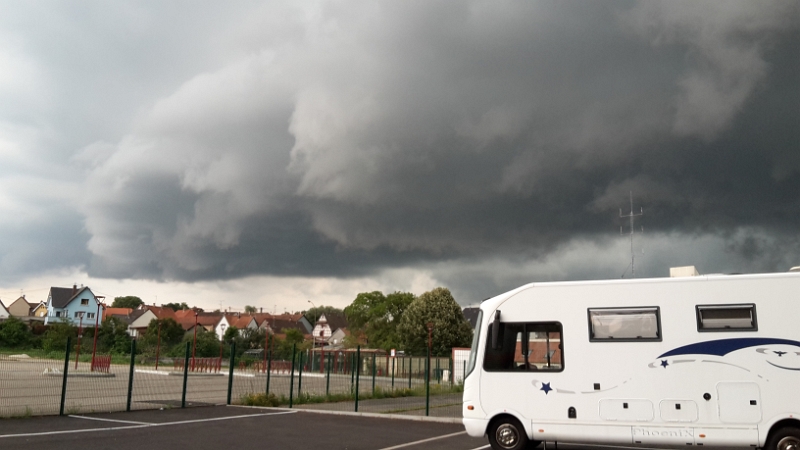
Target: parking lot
[(231, 427), (239, 427)]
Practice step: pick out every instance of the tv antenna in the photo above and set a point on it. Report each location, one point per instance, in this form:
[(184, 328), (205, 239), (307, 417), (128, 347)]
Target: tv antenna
[(631, 216)]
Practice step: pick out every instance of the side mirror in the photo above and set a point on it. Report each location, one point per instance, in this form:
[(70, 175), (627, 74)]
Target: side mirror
[(496, 331)]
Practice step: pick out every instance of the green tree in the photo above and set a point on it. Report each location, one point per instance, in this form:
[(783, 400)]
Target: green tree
[(112, 337), (207, 344), (14, 333), (171, 334), (313, 314), (55, 338), (450, 328), (130, 301), (230, 335), (250, 309), (176, 306), (378, 316)]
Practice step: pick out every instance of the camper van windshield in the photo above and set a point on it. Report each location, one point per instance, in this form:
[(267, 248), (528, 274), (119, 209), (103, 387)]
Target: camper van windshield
[(474, 347)]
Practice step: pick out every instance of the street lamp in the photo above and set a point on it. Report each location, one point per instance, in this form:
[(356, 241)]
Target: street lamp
[(194, 342), (96, 322), (313, 337), (80, 334)]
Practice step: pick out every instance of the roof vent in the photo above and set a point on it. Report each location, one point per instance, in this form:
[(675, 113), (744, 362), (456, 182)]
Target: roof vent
[(685, 271)]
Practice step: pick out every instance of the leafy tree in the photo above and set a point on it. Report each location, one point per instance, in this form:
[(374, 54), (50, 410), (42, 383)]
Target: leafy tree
[(14, 333), (171, 334), (230, 335), (250, 309), (130, 301), (313, 314), (176, 306), (207, 343), (450, 328), (112, 337), (377, 316), (55, 338)]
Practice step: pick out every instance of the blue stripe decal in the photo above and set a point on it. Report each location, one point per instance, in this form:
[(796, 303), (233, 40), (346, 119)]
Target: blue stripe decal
[(724, 346)]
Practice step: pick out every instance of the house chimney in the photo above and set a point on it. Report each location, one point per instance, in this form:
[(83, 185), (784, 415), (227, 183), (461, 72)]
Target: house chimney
[(261, 310), (74, 288)]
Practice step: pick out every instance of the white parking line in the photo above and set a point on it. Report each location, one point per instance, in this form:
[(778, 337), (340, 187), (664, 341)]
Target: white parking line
[(143, 425), (409, 444), (481, 448), (109, 420)]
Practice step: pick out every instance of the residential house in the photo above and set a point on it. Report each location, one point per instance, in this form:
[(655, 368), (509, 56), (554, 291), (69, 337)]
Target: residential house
[(147, 314), (4, 314), (19, 308), (240, 321), (326, 327), (73, 305), (39, 309)]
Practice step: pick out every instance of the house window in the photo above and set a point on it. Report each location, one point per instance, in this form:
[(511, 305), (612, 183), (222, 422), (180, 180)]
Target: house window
[(727, 317), (58, 313), (624, 324), (90, 315), (84, 301), (526, 346)]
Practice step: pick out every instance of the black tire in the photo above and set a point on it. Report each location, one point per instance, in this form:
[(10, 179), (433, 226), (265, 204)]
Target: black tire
[(506, 433), (787, 438)]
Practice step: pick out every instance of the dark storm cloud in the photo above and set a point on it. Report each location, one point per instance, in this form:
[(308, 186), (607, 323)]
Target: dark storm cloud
[(459, 138)]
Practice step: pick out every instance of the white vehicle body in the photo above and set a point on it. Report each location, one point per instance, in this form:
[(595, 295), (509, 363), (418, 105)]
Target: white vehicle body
[(719, 365)]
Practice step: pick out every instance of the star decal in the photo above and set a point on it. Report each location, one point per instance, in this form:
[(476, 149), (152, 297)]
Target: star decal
[(779, 353), (664, 363), (546, 388)]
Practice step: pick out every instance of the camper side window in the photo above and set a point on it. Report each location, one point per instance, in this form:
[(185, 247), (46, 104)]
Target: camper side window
[(624, 324), (727, 317), (525, 346)]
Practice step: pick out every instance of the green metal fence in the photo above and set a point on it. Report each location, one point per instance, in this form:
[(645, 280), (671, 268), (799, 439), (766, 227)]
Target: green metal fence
[(36, 382)]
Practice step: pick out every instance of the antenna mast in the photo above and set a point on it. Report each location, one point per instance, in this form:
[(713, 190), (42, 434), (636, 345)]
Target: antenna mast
[(631, 216)]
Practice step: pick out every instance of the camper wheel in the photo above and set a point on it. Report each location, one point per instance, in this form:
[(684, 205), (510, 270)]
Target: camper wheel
[(506, 433), (787, 438)]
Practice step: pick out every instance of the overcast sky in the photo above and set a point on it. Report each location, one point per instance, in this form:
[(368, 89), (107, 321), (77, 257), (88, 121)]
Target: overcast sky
[(275, 153)]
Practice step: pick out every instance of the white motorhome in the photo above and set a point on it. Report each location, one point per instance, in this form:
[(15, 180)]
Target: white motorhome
[(698, 361)]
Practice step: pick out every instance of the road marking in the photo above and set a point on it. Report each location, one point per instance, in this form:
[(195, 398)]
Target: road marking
[(109, 420), (143, 425), (481, 448), (424, 440)]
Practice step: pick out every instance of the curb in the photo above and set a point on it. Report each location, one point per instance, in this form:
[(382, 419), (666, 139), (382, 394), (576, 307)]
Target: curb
[(362, 414)]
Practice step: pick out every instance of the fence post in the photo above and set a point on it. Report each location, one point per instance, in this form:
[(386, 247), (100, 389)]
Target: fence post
[(130, 374), (410, 363), (438, 372), (328, 378), (393, 372), (185, 374), (230, 370), (269, 369), (291, 378), (374, 357), (358, 369), (300, 376), (428, 383), (64, 378)]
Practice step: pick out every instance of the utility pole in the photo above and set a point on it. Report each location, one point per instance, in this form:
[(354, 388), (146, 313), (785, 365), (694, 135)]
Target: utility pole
[(631, 216)]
